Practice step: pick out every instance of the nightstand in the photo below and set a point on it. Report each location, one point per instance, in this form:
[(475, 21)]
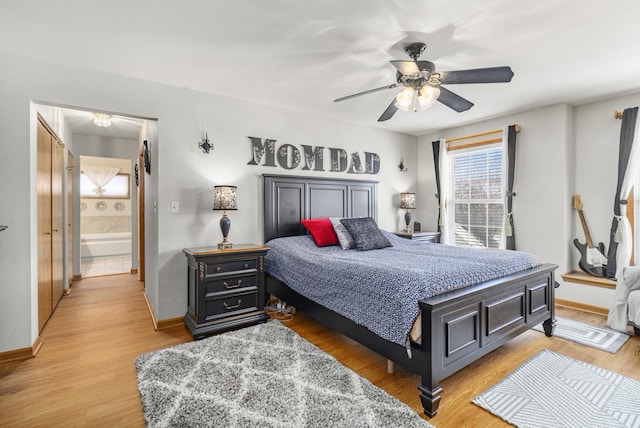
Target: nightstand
[(225, 288), (420, 236)]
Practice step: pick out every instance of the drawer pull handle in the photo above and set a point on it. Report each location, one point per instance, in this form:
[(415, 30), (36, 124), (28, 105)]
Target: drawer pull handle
[(246, 265), (232, 306), (218, 269), (228, 286)]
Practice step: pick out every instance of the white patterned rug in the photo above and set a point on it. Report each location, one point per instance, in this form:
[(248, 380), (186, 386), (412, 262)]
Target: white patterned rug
[(261, 376), (602, 338), (552, 390)]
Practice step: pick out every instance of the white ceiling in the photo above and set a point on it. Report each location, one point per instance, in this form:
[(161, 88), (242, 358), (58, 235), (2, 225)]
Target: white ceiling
[(81, 122), (303, 54)]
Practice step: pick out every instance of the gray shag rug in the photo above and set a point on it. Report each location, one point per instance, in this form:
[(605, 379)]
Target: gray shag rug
[(553, 390), (602, 338), (261, 376)]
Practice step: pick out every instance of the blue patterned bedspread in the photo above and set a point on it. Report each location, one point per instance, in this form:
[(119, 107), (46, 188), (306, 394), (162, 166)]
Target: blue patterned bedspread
[(380, 289)]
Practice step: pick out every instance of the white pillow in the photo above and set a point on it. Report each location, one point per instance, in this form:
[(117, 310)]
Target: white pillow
[(346, 240)]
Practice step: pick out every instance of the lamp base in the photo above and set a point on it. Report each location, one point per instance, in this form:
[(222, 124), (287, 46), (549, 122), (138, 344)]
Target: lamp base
[(225, 245), (225, 225), (407, 220)]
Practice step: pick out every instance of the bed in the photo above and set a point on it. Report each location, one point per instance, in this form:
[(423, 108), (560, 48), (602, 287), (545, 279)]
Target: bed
[(457, 327)]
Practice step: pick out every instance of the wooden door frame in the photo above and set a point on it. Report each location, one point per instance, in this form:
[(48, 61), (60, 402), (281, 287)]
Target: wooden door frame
[(70, 229), (140, 182)]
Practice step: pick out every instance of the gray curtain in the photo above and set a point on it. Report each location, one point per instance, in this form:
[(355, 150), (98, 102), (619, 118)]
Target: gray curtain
[(511, 168), (627, 133), (436, 164)]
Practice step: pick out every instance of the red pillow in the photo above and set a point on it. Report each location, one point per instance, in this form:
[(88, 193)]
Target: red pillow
[(321, 231)]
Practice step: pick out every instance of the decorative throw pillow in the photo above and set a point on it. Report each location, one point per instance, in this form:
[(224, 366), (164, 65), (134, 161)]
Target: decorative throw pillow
[(346, 241), (321, 231), (366, 233)]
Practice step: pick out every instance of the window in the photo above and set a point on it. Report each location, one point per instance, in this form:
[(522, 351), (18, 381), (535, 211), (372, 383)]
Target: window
[(117, 187), (476, 200)]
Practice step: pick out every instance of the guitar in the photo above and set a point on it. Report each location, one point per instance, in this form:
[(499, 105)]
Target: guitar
[(592, 259)]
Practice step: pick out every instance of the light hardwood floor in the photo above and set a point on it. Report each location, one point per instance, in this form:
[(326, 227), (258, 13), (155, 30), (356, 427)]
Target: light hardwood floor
[(84, 374)]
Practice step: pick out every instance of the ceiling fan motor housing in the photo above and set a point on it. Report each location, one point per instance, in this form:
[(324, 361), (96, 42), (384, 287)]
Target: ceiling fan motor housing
[(415, 81)]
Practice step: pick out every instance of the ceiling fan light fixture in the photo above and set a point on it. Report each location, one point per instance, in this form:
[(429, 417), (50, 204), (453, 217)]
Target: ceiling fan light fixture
[(427, 96), (404, 99), (102, 119)]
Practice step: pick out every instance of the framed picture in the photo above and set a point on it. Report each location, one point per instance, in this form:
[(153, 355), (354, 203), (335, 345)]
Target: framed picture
[(116, 188), (416, 226)]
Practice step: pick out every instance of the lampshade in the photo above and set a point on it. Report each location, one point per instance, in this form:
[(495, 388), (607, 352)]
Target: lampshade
[(102, 119), (224, 198), (421, 99), (427, 96), (408, 201), (404, 99)]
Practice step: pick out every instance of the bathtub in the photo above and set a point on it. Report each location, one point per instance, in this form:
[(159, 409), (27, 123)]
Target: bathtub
[(105, 244)]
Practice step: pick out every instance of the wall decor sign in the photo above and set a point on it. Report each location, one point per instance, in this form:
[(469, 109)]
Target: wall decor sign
[(265, 152)]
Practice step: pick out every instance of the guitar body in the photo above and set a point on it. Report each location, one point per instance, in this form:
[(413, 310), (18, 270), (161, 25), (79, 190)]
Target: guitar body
[(600, 271)]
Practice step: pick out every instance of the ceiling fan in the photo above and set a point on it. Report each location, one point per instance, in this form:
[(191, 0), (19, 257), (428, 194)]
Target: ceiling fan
[(422, 84)]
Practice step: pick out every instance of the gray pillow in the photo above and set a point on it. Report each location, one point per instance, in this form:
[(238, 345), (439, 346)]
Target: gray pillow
[(366, 233), (346, 241)]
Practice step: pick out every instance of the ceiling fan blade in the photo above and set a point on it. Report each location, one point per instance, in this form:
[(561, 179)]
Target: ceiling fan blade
[(348, 97), (454, 101), (477, 75), (407, 68), (389, 112)]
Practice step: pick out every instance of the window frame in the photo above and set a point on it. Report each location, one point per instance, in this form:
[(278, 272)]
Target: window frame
[(452, 200), (89, 194)]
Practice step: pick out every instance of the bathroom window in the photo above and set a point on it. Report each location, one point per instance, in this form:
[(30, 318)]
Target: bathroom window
[(116, 187)]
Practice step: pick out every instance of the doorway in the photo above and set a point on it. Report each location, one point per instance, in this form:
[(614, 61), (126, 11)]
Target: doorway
[(105, 200), (106, 206)]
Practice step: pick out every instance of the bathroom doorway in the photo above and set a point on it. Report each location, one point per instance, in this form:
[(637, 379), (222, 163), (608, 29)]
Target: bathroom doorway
[(106, 208)]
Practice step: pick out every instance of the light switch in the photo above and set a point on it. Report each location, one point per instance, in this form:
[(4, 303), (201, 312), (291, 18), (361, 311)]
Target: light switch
[(175, 207)]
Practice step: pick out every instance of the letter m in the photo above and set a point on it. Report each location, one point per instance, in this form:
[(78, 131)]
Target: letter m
[(260, 149)]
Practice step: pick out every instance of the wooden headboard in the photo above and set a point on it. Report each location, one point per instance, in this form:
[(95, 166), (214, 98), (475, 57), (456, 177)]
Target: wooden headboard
[(289, 199)]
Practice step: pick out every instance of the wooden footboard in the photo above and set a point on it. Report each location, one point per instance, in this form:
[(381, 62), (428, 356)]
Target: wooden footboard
[(464, 325), (457, 327)]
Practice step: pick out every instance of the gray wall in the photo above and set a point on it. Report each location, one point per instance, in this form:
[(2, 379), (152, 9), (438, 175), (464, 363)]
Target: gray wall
[(561, 150), (180, 172)]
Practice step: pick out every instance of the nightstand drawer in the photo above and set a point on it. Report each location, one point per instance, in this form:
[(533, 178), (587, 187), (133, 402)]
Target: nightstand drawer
[(231, 305), (235, 282), (213, 268)]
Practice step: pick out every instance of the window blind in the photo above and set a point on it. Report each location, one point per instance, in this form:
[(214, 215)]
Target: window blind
[(478, 206)]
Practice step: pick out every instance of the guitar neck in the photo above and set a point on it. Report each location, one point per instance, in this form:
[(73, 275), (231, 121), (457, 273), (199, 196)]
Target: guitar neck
[(587, 235)]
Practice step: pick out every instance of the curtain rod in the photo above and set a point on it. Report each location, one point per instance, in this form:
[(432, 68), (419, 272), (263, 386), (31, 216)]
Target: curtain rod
[(474, 144), (617, 114), (495, 131)]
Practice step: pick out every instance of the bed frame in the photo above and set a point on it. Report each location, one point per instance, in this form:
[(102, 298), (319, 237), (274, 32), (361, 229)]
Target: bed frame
[(458, 327)]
